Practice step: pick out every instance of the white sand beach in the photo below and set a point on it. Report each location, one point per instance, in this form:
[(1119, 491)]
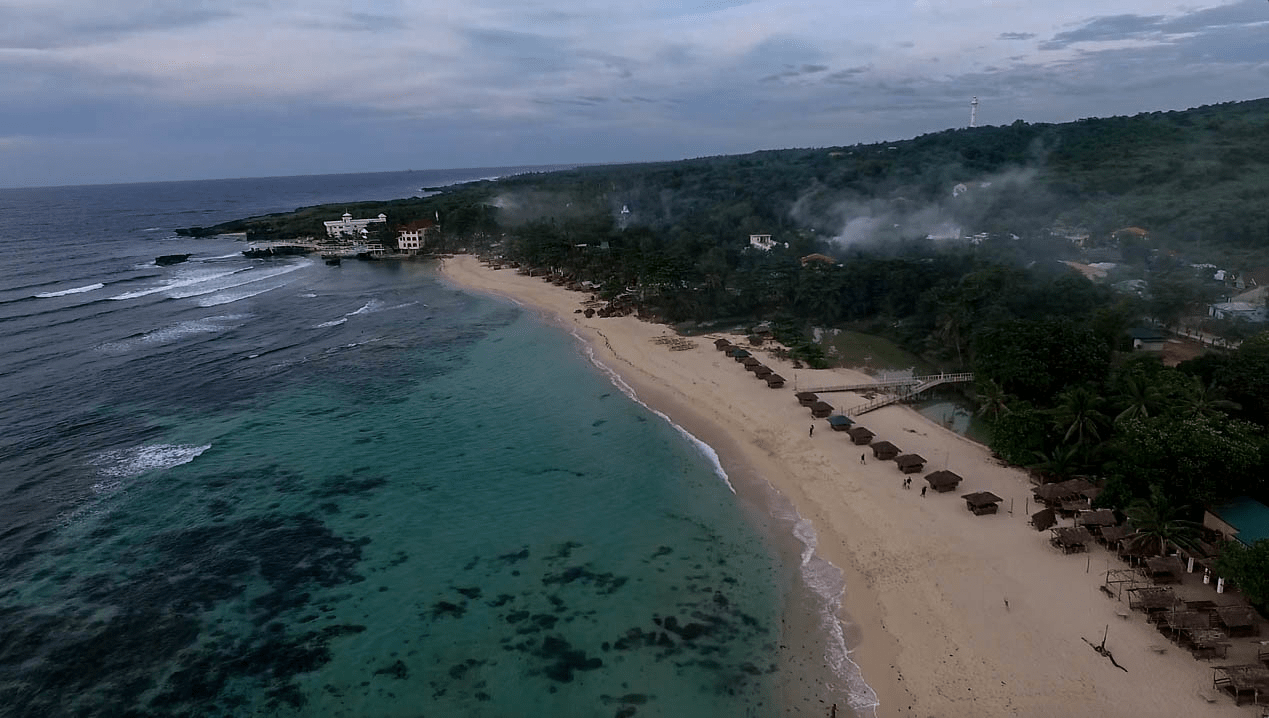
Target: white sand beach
[(954, 614)]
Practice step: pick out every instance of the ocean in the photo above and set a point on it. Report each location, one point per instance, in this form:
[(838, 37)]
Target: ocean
[(237, 487)]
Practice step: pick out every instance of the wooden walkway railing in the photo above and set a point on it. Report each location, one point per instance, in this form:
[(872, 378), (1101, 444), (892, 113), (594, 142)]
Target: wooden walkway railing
[(911, 389)]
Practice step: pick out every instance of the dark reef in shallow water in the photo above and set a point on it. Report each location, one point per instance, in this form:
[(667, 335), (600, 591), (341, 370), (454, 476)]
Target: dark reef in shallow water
[(145, 618)]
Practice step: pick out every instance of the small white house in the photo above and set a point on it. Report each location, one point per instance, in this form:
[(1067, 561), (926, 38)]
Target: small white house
[(1237, 310), (764, 242), (346, 226)]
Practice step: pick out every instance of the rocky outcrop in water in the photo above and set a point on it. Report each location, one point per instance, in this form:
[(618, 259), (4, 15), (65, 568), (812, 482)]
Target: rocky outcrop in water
[(166, 259)]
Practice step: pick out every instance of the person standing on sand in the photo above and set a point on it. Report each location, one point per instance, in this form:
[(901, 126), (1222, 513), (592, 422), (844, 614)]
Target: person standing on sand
[(861, 459), (923, 488), (812, 430)]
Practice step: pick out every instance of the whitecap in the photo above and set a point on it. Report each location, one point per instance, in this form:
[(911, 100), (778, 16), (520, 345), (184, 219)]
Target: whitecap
[(175, 332), (230, 281), (331, 323), (184, 280), (75, 290), (115, 466)]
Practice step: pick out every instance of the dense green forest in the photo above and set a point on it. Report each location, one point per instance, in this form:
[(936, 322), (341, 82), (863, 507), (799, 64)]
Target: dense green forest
[(954, 245)]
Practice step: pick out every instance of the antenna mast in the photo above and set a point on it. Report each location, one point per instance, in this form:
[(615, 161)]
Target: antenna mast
[(973, 111)]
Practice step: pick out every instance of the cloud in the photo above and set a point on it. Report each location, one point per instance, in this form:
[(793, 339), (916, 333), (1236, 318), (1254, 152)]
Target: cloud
[(600, 79)]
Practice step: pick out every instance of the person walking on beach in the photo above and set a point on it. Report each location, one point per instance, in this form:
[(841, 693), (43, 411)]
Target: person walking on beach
[(923, 488), (861, 459), (812, 430)]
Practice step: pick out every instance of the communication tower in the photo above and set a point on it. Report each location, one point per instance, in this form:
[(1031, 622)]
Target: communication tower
[(973, 111)]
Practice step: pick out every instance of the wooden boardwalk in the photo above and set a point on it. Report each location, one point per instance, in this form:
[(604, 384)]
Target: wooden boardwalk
[(905, 390)]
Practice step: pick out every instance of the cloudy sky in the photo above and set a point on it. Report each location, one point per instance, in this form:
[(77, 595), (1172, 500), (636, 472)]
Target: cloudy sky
[(132, 90)]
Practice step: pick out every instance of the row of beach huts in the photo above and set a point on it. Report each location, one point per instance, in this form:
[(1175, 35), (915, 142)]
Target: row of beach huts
[(942, 481)]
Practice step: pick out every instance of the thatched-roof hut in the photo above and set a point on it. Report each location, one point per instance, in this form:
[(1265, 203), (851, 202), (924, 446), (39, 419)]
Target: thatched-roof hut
[(740, 355), (721, 344), (750, 362), (884, 450), (910, 463), (1096, 519), (1111, 535), (1071, 539), (860, 435), (806, 398), (761, 371), (1164, 569), (775, 381), (1043, 519), (840, 422), (1237, 620), (821, 409), (943, 481), (982, 502)]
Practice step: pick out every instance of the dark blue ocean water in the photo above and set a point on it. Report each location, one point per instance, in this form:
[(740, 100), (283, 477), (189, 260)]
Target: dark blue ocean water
[(249, 487)]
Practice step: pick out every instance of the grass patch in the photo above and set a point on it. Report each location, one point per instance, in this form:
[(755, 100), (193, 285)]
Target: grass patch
[(858, 350)]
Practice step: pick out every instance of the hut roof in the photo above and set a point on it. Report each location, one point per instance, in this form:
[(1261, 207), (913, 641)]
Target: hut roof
[(941, 479), (822, 405), (1072, 535), (1076, 486), (1111, 534), (751, 361), (1099, 517), (859, 431), (1236, 616), (775, 379), (806, 396), (884, 446), (1169, 565), (909, 460), (1050, 492), (1044, 519), (762, 371), (737, 353), (982, 498), (721, 343), (840, 420)]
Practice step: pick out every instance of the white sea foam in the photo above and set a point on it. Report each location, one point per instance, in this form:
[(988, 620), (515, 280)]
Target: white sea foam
[(76, 290), (235, 255), (706, 450), (231, 281), (175, 332), (373, 305), (229, 297), (181, 280), (331, 323), (121, 464), (822, 578)]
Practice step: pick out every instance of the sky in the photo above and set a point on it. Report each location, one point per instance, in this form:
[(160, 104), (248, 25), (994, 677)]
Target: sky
[(137, 90)]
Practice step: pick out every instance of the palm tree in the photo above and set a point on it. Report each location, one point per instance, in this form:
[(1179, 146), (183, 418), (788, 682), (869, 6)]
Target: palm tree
[(1201, 399), (993, 402), (1078, 414), (1139, 398), (1061, 463), (1159, 523)]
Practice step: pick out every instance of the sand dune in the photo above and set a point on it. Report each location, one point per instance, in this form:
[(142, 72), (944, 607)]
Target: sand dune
[(954, 614)]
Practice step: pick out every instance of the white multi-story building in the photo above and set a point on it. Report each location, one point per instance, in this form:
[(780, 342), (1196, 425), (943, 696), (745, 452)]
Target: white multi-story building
[(346, 226)]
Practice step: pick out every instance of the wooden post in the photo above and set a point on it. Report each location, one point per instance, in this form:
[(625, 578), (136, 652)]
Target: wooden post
[(1011, 506)]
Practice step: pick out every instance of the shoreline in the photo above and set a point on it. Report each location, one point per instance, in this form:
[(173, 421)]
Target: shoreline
[(944, 612)]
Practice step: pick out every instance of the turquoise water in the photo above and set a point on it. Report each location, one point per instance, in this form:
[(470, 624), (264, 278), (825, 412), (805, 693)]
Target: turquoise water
[(240, 487)]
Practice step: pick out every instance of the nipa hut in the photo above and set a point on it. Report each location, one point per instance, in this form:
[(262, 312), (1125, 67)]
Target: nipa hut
[(982, 502), (884, 450), (721, 344), (840, 422), (943, 481), (1043, 519), (910, 463), (860, 435), (1097, 519), (806, 398), (740, 355), (762, 371), (750, 362), (821, 409), (1237, 620), (775, 381), (1071, 539)]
